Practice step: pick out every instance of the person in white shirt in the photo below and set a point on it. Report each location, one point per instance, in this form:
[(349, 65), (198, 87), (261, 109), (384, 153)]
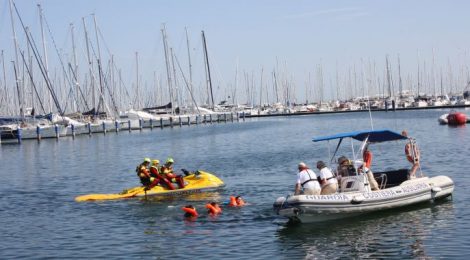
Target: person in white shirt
[(328, 182), (306, 181)]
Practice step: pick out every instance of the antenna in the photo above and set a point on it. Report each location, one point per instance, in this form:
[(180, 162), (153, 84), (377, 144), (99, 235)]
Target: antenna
[(370, 113), (368, 101)]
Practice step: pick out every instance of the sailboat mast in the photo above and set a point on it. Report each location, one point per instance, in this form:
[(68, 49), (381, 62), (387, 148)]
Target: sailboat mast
[(234, 93), (15, 63), (400, 83), (101, 100), (189, 61), (275, 86), (442, 84), (168, 71), (209, 81), (261, 91), (187, 85), (418, 77), (44, 49), (18, 90), (389, 79), (137, 94), (90, 66), (30, 72), (177, 90), (5, 99), (75, 65), (337, 82)]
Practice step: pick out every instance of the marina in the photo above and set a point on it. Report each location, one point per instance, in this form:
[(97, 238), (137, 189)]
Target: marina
[(15, 133), (176, 130), (88, 94)]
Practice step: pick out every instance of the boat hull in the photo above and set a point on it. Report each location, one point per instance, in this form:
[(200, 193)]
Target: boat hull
[(317, 208), (195, 183), (8, 135)]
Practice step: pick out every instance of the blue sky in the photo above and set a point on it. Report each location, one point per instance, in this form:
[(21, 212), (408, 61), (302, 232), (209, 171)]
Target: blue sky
[(255, 35)]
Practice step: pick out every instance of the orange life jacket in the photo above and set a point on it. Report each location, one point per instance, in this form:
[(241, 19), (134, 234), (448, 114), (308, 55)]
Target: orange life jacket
[(234, 202), (213, 209), (367, 156), (190, 212)]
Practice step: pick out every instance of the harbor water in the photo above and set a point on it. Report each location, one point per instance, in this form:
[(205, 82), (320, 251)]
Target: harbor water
[(256, 159)]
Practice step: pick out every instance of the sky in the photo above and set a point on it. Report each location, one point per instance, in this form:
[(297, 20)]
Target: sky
[(257, 37)]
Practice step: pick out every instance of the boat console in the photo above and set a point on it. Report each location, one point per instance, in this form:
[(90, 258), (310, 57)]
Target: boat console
[(354, 183)]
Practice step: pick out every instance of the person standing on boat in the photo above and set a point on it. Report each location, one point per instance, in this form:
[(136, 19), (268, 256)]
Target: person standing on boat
[(167, 171), (412, 154), (328, 182), (307, 181), (144, 175)]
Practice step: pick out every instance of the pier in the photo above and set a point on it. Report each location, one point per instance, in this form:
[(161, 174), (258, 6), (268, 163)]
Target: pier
[(39, 133)]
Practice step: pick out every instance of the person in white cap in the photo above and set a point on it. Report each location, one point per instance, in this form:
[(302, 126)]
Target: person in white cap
[(306, 181)]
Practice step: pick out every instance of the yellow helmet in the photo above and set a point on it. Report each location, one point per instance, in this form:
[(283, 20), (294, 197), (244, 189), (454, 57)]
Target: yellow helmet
[(155, 161), (147, 159)]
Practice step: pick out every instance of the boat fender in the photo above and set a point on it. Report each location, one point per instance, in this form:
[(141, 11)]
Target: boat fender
[(436, 189), (279, 203), (190, 211), (213, 208), (358, 199), (280, 200)]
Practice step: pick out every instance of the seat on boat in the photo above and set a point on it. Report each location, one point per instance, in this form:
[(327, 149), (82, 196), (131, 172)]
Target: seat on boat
[(353, 183), (390, 179)]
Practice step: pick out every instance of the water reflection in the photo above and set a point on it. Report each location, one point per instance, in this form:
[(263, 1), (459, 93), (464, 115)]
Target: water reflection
[(202, 196), (403, 232), (255, 160)]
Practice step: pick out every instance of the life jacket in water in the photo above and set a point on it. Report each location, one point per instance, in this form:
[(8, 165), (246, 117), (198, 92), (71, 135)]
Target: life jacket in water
[(213, 208), (189, 212)]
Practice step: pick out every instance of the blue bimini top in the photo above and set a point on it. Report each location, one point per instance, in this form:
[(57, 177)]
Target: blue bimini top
[(374, 136)]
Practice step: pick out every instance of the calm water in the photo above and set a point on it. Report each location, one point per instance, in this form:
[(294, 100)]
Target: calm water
[(257, 159)]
